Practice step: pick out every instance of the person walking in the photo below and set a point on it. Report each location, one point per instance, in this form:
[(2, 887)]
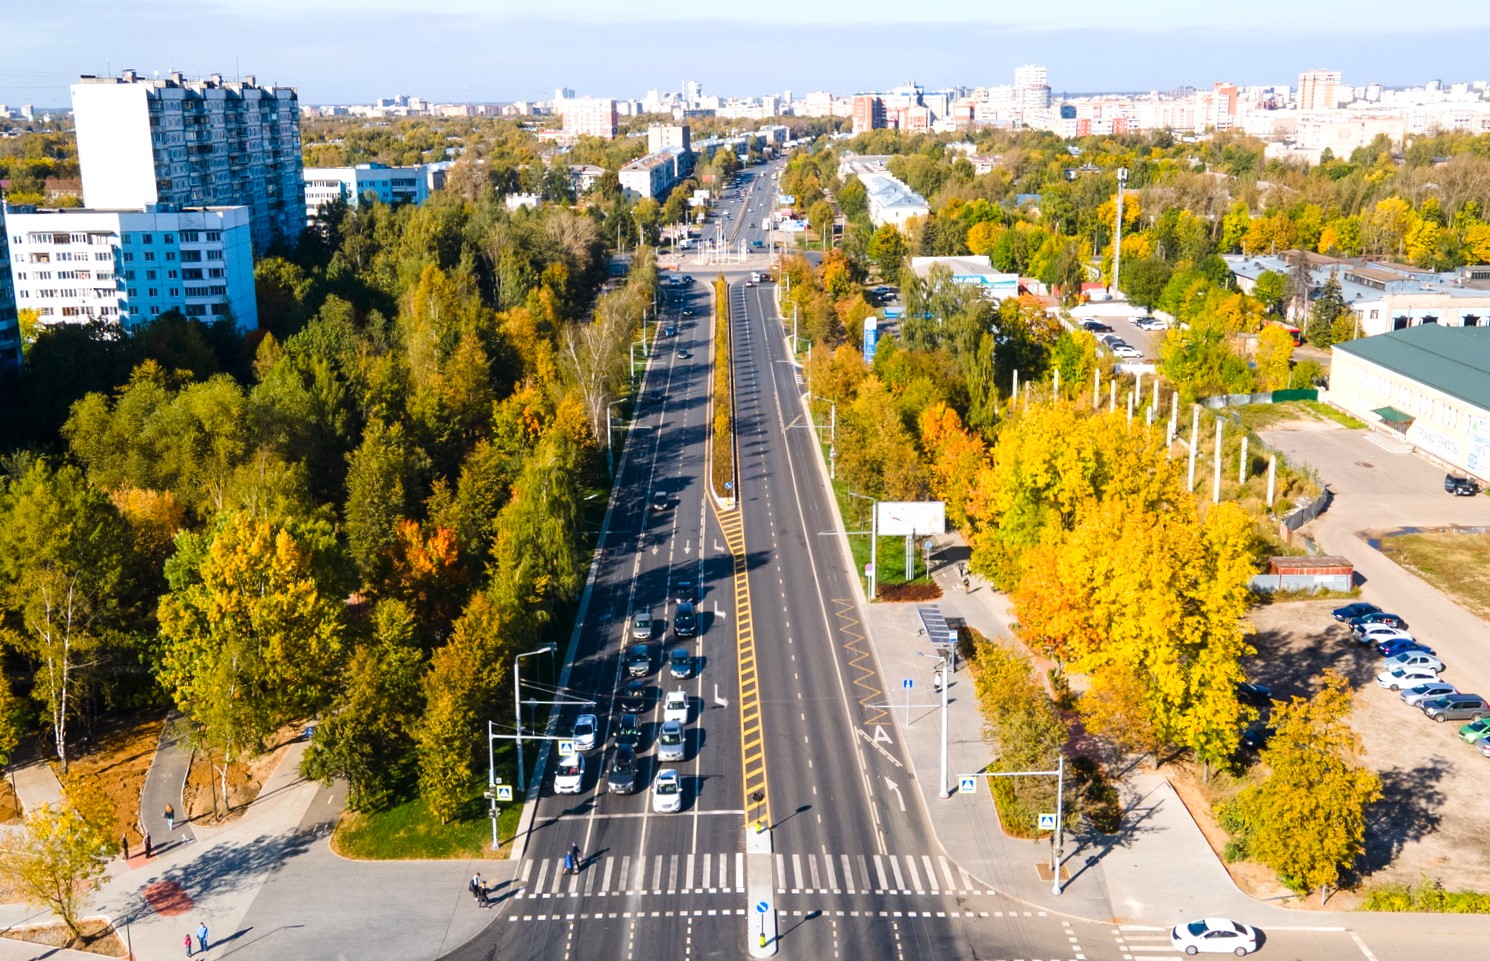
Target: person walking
[(124, 844), (188, 944), (149, 848), (476, 887), (170, 818), (202, 935), (568, 863), (574, 854)]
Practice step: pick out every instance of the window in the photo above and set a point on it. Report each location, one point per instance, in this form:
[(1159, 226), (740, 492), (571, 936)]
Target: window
[(214, 236), (128, 257), (149, 255), (154, 292), (170, 239), (216, 272), (214, 255), (190, 273), (191, 256), (170, 255), (147, 238), (171, 275), (149, 275), (191, 236)]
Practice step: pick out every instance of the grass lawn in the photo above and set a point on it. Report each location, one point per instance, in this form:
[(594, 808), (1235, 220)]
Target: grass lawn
[(1456, 563), (408, 831)]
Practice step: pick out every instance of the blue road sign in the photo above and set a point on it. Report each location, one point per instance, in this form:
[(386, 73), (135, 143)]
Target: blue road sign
[(967, 785), (907, 684), (761, 907), (504, 792), (1047, 822)]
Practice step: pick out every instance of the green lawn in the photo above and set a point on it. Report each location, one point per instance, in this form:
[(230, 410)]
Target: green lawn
[(408, 831), (1457, 563)]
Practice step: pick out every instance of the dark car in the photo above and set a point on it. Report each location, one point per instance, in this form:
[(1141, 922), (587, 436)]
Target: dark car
[(1351, 611), (1460, 486), (1380, 617), (659, 501), (1393, 646), (1456, 707), (685, 622), (679, 663), (1258, 695), (628, 732), (1096, 327), (686, 592), (1256, 737), (669, 330), (637, 697), (638, 660), (621, 778)]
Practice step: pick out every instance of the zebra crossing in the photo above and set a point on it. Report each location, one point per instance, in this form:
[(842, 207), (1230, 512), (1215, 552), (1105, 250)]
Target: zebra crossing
[(709, 873), (1141, 943)]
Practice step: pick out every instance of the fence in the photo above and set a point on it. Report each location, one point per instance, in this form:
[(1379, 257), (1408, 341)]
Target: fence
[(1266, 397), (1301, 582)]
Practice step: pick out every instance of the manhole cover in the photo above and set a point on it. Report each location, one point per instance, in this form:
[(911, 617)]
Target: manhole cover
[(1366, 464)]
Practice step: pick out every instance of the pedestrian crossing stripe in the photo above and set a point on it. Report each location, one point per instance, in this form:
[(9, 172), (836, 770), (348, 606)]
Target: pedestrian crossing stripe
[(737, 912)]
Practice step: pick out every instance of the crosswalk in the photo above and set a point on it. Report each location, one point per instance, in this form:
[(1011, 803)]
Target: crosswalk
[(709, 873), (1140, 943)]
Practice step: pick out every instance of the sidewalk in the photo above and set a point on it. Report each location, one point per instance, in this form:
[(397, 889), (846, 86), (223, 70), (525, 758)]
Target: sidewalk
[(37, 786), (163, 785)]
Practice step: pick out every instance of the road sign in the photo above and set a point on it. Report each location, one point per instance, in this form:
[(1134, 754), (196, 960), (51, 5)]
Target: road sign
[(504, 792), (761, 907), (907, 684), (729, 485), (566, 748), (1047, 822), (868, 570), (967, 785)]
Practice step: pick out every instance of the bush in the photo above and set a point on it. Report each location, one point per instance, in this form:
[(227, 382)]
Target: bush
[(1428, 896)]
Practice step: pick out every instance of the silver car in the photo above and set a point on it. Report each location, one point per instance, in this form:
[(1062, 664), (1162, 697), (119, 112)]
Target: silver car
[(670, 745), (1427, 692)]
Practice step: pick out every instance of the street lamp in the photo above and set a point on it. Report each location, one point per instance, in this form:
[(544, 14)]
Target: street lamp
[(874, 539), (942, 664), (610, 460), (517, 709)]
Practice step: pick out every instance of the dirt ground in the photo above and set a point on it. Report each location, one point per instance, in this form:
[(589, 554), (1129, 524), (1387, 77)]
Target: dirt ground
[(244, 780), (116, 763), (1430, 820), (99, 937)]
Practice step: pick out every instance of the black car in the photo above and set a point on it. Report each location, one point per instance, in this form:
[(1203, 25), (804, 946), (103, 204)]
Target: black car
[(1383, 618), (1460, 486), (1258, 695), (628, 732), (1256, 737), (686, 592), (638, 660), (1351, 611), (1096, 327), (679, 663), (621, 778), (685, 622), (659, 501), (637, 697), (669, 330)]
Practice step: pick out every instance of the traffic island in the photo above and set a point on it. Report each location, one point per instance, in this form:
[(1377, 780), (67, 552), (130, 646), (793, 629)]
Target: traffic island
[(760, 891)]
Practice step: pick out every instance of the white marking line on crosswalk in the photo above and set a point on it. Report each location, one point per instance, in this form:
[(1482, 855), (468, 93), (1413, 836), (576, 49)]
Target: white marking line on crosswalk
[(848, 875), (930, 874), (879, 872), (688, 883), (828, 870), (797, 872), (605, 883), (739, 873)]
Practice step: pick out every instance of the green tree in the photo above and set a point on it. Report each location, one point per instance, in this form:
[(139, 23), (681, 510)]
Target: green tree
[(382, 485), (1271, 290), (1307, 819), (1328, 308), (1274, 357), (57, 856), (887, 249), (1143, 280)]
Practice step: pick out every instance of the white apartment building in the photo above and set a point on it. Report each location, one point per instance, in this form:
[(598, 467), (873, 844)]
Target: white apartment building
[(653, 175), (194, 143), (10, 333), (588, 117), (1318, 89), (130, 266), (660, 136), (380, 182)]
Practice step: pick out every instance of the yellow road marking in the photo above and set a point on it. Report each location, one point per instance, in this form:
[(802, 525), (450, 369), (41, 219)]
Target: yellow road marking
[(752, 737), (866, 687)]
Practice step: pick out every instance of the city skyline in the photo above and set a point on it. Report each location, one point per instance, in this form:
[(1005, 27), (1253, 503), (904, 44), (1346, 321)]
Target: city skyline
[(338, 51)]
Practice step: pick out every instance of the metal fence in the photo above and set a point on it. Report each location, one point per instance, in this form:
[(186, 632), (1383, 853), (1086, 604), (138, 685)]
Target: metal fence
[(1220, 401), (1301, 582)]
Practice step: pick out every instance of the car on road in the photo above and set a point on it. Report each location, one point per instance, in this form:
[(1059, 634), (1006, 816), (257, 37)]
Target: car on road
[(1459, 485), (670, 745), (1475, 730), (659, 501), (1380, 617), (1393, 646), (679, 663), (585, 728), (669, 330), (1352, 611), (621, 778), (628, 731), (667, 792), (1214, 936), (686, 592), (1456, 707), (641, 625), (638, 660), (636, 698), (1127, 350), (1427, 691), (687, 311), (682, 354), (675, 707), (658, 393), (685, 622), (1413, 659), (1397, 679), (569, 777)]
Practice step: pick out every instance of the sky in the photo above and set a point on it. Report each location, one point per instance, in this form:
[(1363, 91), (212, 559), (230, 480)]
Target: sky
[(354, 51)]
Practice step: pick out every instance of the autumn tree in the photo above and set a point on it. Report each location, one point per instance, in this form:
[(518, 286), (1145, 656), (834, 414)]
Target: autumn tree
[(1274, 357), (1307, 818), (58, 854)]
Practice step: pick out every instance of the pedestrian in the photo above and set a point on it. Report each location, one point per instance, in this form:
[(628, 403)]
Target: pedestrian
[(170, 818), (966, 584), (574, 853), (936, 681), (188, 944), (202, 935), (149, 848), (476, 887), (124, 843), (568, 864), (481, 896)]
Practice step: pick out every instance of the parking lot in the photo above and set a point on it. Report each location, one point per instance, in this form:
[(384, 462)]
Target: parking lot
[(1432, 816), (1122, 319)]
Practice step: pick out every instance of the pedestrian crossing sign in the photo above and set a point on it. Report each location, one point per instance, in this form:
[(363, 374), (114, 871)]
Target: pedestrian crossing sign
[(566, 748), (504, 792), (1047, 822), (967, 785)]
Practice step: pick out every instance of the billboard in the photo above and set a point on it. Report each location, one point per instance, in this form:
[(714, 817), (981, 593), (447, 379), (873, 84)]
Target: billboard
[(897, 518), (871, 339)]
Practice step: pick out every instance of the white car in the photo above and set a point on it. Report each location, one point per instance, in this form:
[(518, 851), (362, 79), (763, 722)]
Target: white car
[(1376, 633), (570, 776), (585, 728), (670, 741), (1427, 691), (1128, 351), (667, 792), (1214, 936), (1402, 677), (675, 707), (1410, 659)]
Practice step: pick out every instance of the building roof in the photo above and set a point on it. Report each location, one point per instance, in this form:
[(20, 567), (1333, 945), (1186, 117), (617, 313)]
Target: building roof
[(1454, 360)]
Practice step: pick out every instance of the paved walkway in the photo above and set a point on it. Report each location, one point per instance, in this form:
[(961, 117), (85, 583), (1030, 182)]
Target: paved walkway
[(164, 784), (37, 786)]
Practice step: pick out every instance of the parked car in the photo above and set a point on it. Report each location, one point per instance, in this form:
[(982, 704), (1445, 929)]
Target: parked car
[(1483, 746), (1258, 695), (670, 746), (628, 731), (1393, 646), (1427, 691), (1376, 633), (585, 728), (679, 663), (675, 707), (1351, 611), (1475, 730), (685, 621), (1127, 350), (1456, 707), (569, 777), (1397, 679), (1413, 659), (1214, 936), (638, 660), (1257, 735), (621, 779), (1096, 327), (667, 792), (1459, 485), (641, 625), (1380, 617)]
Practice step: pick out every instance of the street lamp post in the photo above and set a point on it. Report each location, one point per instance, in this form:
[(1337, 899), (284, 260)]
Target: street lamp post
[(942, 665), (610, 460), (517, 709), (874, 539), (1117, 248)]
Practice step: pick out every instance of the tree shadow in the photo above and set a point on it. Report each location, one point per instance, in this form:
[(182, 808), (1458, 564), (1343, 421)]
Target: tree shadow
[(1407, 811), (229, 867)]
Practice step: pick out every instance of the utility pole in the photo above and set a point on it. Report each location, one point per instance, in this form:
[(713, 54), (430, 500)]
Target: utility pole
[(1117, 247)]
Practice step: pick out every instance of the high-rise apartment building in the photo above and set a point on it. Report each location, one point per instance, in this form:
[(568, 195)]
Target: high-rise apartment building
[(130, 266), (1031, 87), (590, 117), (1317, 89), (868, 112), (660, 136), (10, 334), (193, 143)]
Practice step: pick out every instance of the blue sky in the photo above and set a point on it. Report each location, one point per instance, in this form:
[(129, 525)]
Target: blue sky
[(340, 51)]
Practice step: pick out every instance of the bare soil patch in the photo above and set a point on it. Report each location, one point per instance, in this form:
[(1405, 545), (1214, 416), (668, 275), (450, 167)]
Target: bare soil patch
[(202, 795), (98, 937), (115, 765), (918, 591)]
